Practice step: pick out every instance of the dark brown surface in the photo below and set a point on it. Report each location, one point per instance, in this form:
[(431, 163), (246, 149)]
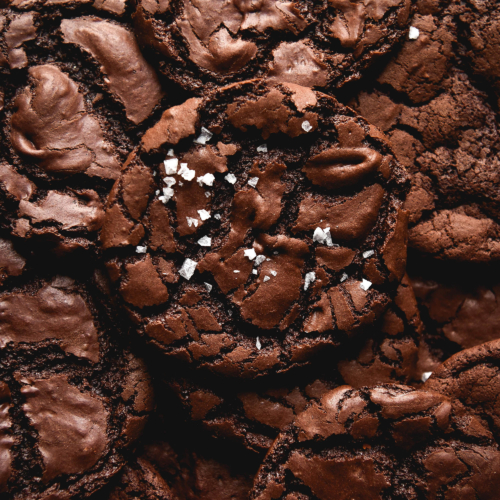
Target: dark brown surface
[(261, 315)]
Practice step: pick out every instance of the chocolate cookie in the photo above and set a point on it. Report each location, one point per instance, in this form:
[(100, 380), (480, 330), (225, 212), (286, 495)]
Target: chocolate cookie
[(386, 442), (446, 134), (73, 398), (273, 230), (253, 413), (76, 92), (326, 43)]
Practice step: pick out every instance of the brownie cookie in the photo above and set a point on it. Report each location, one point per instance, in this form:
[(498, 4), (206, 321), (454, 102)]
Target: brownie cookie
[(273, 230), (446, 134), (252, 413), (73, 398), (386, 442), (200, 44), (77, 90)]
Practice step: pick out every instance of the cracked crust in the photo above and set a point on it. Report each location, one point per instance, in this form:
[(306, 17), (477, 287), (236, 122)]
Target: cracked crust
[(260, 314)]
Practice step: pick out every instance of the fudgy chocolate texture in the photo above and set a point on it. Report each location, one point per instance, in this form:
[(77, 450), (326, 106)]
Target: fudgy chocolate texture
[(273, 230), (201, 44), (77, 95), (72, 397), (252, 413), (385, 442), (445, 133)]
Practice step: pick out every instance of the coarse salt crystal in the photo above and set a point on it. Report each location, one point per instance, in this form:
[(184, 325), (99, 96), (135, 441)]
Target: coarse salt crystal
[(254, 271), (250, 253), (253, 181), (163, 199), (365, 284), (207, 179), (343, 277), (192, 221), (258, 344), (140, 249), (167, 194), (231, 178), (425, 376), (274, 273), (157, 192), (170, 152), (236, 271), (204, 215), (319, 235), (171, 166), (328, 240), (188, 268), (368, 253), (306, 126), (207, 194), (414, 33), (266, 278), (208, 287), (259, 260), (309, 278), (186, 173), (262, 148), (205, 241), (169, 181), (204, 137), (217, 216)]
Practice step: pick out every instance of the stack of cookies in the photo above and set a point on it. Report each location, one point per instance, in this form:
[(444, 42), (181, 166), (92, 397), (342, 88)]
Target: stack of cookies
[(249, 249)]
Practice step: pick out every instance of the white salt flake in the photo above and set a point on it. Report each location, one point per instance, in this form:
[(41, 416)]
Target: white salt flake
[(163, 199), (306, 126), (207, 194), (188, 268), (274, 273), (259, 260), (343, 277), (319, 235), (262, 148), (204, 215), (169, 181), (207, 179), (258, 344), (425, 376), (310, 278), (192, 222), (217, 216), (328, 241), (154, 173), (250, 253), (230, 312), (368, 253), (181, 183), (140, 249), (204, 137), (254, 271), (365, 284), (171, 165), (205, 241), (268, 260), (253, 181), (231, 178), (266, 278), (167, 194), (157, 192), (208, 286), (236, 271), (414, 33), (186, 173), (170, 152)]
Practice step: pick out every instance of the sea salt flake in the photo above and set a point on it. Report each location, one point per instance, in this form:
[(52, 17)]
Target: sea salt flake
[(169, 181), (207, 179), (186, 173), (154, 173), (274, 273), (414, 33), (204, 137), (217, 216), (425, 376), (368, 253), (365, 285), (319, 235), (170, 152), (254, 271), (329, 241), (171, 166), (306, 126), (157, 192), (167, 194), (204, 215), (192, 222), (253, 181), (236, 271), (266, 278), (259, 260), (163, 199), (229, 312), (188, 268), (231, 178), (258, 344), (250, 253), (139, 249), (208, 286), (262, 148), (343, 277), (207, 194), (205, 241), (309, 278)]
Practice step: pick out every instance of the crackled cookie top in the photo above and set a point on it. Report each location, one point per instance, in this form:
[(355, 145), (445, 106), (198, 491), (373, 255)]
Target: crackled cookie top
[(384, 442), (256, 226), (317, 44)]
